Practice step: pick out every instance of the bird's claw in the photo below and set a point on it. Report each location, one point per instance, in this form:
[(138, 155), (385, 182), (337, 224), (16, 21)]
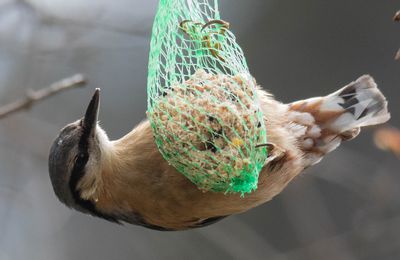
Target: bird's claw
[(274, 151)]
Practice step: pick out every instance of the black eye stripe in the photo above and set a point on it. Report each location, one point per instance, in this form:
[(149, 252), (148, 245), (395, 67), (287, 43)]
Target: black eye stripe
[(78, 172), (81, 160)]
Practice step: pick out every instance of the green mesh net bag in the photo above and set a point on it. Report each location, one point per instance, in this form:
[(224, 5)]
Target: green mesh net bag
[(202, 102)]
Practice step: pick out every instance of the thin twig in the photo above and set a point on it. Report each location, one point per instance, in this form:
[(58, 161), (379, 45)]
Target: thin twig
[(33, 97)]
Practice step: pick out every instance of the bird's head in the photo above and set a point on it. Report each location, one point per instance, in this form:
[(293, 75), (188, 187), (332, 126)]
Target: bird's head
[(75, 155)]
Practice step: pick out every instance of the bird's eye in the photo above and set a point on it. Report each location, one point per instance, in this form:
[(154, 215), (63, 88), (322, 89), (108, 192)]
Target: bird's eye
[(81, 159)]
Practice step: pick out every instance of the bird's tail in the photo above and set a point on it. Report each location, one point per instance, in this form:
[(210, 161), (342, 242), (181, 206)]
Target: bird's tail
[(337, 117)]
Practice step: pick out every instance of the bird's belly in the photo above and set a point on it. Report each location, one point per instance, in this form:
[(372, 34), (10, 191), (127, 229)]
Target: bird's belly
[(181, 205)]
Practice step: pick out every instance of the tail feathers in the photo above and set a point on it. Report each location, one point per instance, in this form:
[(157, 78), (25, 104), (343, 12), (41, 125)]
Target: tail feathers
[(329, 120), (360, 103)]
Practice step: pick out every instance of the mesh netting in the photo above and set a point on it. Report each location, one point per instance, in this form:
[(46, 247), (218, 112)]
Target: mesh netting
[(202, 103)]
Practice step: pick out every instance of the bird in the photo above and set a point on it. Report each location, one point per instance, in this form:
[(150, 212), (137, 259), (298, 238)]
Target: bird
[(127, 181)]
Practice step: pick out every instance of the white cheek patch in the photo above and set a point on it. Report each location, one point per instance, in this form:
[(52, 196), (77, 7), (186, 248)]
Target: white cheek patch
[(103, 141), (90, 181)]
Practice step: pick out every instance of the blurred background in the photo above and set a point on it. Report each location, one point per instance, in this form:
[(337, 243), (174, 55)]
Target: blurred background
[(346, 207)]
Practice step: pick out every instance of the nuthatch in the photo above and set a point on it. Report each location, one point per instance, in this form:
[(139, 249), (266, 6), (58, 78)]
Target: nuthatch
[(127, 180)]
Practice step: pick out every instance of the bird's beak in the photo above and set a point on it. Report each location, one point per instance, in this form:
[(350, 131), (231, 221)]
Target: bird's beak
[(92, 112)]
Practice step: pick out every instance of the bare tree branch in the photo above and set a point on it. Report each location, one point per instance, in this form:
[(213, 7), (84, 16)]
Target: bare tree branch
[(33, 97)]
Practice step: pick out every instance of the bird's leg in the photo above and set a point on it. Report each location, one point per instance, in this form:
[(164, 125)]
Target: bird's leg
[(191, 28), (222, 24), (275, 152)]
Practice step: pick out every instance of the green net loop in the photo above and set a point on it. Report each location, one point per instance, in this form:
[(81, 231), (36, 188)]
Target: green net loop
[(202, 100)]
